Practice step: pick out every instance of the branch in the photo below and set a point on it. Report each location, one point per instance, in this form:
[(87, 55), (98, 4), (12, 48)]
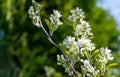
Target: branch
[(50, 39)]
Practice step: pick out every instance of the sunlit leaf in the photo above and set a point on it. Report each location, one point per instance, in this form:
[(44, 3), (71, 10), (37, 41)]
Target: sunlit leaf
[(65, 50), (95, 53), (86, 54), (49, 26), (113, 65)]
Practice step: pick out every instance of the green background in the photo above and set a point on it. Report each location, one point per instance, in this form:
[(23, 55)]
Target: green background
[(25, 49)]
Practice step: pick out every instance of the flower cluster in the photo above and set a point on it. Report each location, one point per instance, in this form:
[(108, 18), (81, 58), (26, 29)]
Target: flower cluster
[(71, 44), (89, 69), (83, 29), (77, 49), (34, 16), (85, 45), (34, 13), (77, 15), (105, 55), (81, 49), (55, 20), (62, 61)]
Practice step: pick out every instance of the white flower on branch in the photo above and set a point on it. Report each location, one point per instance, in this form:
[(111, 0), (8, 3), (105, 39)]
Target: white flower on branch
[(71, 44), (77, 15), (83, 29), (105, 55), (88, 68), (85, 44), (34, 13), (72, 48), (62, 61), (55, 19), (34, 16)]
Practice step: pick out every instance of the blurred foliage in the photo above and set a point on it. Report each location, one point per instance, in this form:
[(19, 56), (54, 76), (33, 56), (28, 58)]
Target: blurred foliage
[(25, 50)]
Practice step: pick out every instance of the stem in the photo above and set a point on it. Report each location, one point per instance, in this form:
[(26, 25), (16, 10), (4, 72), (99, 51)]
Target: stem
[(50, 39)]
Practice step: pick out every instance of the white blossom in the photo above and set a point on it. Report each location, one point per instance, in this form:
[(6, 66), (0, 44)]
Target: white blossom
[(85, 44), (71, 44), (89, 68), (62, 61), (74, 45), (108, 54), (33, 14), (54, 21), (105, 55), (77, 14), (31, 11), (55, 18), (61, 58), (83, 29)]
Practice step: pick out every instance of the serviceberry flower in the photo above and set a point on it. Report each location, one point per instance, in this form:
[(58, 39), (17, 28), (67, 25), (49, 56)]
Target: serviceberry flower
[(76, 15), (71, 44), (55, 18), (62, 61), (34, 16), (34, 13), (85, 44), (77, 49), (83, 29), (105, 55), (88, 68), (31, 11), (108, 54)]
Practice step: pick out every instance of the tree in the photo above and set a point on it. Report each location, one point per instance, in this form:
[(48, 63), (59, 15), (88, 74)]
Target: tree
[(25, 46)]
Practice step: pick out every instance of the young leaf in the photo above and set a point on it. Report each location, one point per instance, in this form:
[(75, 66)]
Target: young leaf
[(96, 52), (65, 50), (37, 6), (79, 74), (86, 54), (49, 26), (70, 23), (113, 65)]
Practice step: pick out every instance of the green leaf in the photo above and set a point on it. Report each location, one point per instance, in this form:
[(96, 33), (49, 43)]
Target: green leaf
[(95, 53), (49, 26), (79, 74), (64, 49), (86, 54), (91, 37), (37, 6), (113, 65), (68, 22)]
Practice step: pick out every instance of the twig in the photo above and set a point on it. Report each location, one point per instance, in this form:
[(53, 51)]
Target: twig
[(50, 39)]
